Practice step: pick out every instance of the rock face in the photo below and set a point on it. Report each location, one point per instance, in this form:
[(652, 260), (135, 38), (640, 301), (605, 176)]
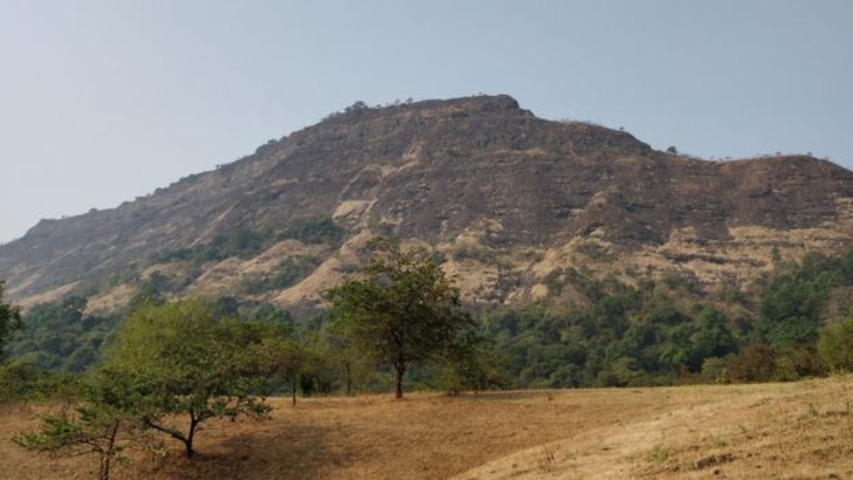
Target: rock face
[(506, 196)]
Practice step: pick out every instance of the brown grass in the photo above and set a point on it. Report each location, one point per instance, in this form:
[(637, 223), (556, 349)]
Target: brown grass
[(802, 430)]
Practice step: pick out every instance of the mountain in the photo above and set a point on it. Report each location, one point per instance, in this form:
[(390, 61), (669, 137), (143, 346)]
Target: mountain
[(511, 203)]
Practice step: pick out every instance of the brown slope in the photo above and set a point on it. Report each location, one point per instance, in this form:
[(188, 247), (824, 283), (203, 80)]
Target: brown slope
[(438, 170)]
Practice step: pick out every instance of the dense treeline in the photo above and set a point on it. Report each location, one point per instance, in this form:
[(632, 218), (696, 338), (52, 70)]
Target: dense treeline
[(61, 336), (650, 333), (666, 333)]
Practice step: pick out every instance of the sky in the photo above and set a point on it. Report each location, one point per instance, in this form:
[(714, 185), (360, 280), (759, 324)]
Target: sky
[(102, 101)]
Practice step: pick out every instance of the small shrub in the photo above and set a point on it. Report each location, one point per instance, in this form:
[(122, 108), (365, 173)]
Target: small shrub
[(714, 370), (547, 461), (90, 429), (835, 345), (555, 281), (658, 454), (813, 410), (438, 257), (593, 250), (719, 442)]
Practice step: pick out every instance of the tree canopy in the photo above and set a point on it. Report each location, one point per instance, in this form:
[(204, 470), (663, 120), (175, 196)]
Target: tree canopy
[(401, 309), (184, 358)]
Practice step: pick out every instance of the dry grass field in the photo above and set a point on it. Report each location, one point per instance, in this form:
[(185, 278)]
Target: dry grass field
[(797, 430)]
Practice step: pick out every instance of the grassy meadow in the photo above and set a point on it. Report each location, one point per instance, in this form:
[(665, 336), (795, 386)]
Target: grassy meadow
[(790, 430)]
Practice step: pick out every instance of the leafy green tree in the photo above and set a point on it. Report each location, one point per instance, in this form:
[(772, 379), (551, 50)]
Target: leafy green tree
[(278, 358), (347, 363), (402, 309), (678, 350), (470, 366), (10, 321), (713, 338), (184, 359)]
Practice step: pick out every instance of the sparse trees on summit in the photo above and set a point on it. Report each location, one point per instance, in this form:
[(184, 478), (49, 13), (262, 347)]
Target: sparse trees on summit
[(358, 106)]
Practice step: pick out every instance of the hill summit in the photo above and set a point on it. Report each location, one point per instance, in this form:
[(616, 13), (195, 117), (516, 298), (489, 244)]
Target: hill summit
[(510, 203)]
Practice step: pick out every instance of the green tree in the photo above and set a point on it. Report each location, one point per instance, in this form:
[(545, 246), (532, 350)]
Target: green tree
[(470, 366), (279, 358), (10, 321), (677, 353), (184, 359), (402, 309), (348, 363), (713, 338)]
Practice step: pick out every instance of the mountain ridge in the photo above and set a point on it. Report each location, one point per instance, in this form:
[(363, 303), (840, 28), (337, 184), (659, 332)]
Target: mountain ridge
[(506, 197)]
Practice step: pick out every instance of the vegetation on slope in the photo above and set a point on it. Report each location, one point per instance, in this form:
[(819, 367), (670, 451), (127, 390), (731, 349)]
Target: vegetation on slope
[(246, 243), (650, 333), (654, 333)]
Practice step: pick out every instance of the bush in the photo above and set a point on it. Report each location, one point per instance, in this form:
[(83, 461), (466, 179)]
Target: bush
[(756, 363), (474, 253), (798, 362), (714, 370), (22, 381), (835, 345), (16, 381), (89, 429)]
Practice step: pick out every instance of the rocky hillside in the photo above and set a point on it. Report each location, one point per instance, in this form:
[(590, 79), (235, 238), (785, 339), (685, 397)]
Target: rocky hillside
[(510, 202)]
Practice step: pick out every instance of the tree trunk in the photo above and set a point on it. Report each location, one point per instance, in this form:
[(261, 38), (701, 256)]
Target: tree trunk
[(105, 466), (188, 443), (398, 382), (293, 390), (349, 379), (107, 456)]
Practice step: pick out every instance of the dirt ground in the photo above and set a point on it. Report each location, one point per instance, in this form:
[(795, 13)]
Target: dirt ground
[(797, 430)]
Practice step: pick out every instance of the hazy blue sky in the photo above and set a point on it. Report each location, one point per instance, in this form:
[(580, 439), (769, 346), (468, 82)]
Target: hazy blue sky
[(102, 101)]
